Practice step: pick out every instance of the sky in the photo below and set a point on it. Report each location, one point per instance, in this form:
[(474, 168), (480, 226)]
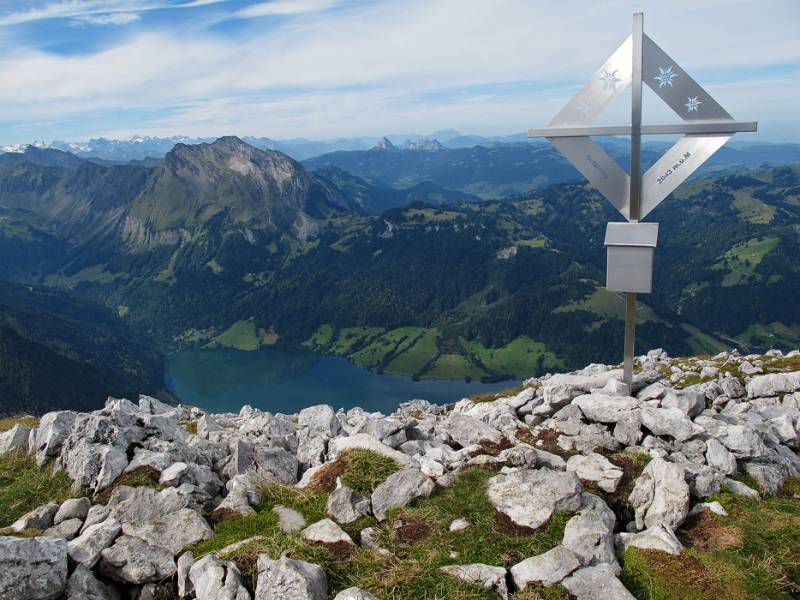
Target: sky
[(77, 69)]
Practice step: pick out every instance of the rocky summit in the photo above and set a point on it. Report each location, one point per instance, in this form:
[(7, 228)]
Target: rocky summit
[(574, 485)]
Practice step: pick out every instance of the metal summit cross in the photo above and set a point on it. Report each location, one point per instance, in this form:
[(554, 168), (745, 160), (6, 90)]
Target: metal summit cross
[(706, 127)]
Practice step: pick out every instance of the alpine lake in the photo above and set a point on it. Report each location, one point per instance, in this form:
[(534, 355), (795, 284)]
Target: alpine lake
[(287, 380)]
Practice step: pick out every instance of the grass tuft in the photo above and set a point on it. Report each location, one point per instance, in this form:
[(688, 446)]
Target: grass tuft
[(7, 423), (24, 486), (360, 470)]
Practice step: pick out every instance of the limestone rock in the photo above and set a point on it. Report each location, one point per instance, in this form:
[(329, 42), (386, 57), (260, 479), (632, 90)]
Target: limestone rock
[(400, 489), (689, 402), (320, 419), (65, 529), (184, 565), (715, 507), (775, 384), (530, 497), (704, 481), (732, 387), (38, 518), (660, 495), (737, 487), (206, 426), (719, 457), (32, 568), (596, 468), (274, 463), (669, 422), (53, 429), (289, 579), (367, 442), (459, 525), (326, 532), (74, 508), (487, 576), (86, 548), (172, 531), (346, 505), (354, 593), (658, 537), (768, 476), (596, 583), (132, 560), (14, 439), (466, 430), (591, 538), (289, 519), (237, 502), (97, 514), (215, 579), (82, 583), (200, 475), (548, 568), (602, 408), (135, 504)]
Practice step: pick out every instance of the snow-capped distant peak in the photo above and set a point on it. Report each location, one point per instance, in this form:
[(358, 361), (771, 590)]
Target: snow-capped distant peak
[(21, 148), (14, 148)]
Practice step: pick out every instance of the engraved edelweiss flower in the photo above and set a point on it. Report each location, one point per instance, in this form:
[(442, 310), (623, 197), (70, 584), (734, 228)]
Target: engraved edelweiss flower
[(610, 79), (583, 108), (692, 104), (665, 76)]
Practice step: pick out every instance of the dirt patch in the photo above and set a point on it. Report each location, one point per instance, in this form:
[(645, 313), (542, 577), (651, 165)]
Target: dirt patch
[(325, 478), (704, 532), (547, 440), (340, 550), (493, 449), (144, 476), (222, 514), (408, 529), (504, 524)]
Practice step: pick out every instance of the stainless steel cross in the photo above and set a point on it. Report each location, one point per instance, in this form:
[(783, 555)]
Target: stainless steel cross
[(706, 128)]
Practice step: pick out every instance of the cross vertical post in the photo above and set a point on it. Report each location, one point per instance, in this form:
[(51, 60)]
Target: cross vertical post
[(636, 185)]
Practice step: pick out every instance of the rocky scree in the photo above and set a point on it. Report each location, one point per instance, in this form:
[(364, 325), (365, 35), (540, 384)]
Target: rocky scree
[(551, 448)]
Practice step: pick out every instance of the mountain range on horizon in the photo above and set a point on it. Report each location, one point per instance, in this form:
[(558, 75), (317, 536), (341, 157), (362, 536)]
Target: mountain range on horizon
[(225, 244), (142, 148)]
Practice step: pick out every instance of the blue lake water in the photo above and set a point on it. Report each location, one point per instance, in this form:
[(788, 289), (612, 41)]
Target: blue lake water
[(287, 380)]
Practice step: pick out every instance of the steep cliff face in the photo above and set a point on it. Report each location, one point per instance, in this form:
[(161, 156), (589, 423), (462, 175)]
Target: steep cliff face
[(234, 184)]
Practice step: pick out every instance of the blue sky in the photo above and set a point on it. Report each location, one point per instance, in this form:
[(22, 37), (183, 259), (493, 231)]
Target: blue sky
[(75, 69)]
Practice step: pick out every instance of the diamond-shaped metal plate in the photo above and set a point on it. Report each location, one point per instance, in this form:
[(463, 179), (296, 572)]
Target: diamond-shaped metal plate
[(677, 89)]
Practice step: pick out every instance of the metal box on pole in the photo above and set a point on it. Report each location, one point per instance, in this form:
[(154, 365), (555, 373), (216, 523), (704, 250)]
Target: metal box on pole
[(630, 250)]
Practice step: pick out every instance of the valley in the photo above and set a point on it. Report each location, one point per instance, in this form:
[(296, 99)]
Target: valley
[(224, 245)]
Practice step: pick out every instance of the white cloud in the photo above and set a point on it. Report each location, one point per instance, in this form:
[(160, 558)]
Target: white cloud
[(284, 7), (122, 18), (85, 9), (399, 65)]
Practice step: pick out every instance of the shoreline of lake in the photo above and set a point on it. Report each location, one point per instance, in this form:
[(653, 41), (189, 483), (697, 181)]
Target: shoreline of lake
[(289, 379)]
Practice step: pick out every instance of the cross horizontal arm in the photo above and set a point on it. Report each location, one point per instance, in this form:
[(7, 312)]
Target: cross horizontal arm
[(696, 127)]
